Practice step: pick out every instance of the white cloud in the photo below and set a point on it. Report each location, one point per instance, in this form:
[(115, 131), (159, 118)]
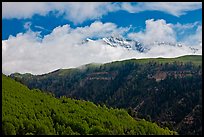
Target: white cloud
[(79, 12), (194, 39), (62, 48), (189, 34), (182, 27), (76, 12), (24, 9), (173, 8), (157, 30), (170, 51)]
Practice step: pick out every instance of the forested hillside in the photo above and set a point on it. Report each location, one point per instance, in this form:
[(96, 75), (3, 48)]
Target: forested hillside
[(166, 91), (32, 112)]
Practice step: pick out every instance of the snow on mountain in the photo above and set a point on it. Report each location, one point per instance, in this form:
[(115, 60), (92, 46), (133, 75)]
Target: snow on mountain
[(126, 43), (130, 44)]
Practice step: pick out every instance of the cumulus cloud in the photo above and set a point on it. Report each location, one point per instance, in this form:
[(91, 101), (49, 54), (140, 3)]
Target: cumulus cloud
[(79, 12), (157, 30), (194, 39), (189, 34), (62, 48)]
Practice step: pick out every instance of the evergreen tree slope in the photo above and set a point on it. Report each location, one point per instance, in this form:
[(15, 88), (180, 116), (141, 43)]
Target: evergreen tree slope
[(162, 90), (32, 112)]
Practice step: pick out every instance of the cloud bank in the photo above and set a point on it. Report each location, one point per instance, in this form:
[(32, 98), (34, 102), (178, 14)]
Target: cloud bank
[(79, 12), (30, 53)]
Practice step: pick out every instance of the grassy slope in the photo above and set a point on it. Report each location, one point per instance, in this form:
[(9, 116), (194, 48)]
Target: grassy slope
[(33, 112), (195, 59)]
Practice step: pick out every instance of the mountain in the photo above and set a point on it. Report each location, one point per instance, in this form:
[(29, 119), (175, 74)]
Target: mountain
[(135, 45), (119, 42), (126, 43), (167, 91), (32, 112)]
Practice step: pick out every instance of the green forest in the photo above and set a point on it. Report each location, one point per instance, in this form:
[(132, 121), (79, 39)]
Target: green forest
[(167, 91), (33, 112)]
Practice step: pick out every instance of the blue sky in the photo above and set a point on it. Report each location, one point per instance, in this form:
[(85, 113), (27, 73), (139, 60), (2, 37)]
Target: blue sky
[(12, 26), (45, 33)]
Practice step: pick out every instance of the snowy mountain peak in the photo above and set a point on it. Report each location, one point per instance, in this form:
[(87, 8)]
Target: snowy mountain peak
[(135, 45), (126, 43)]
